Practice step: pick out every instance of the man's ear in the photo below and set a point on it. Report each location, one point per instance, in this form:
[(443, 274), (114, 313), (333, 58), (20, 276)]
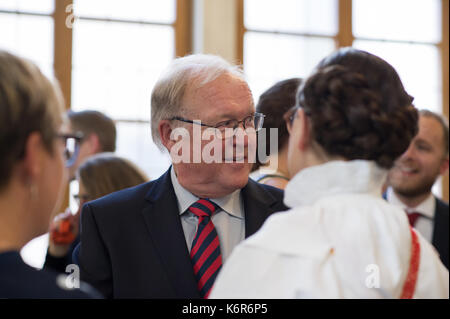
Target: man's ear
[(94, 143), (165, 130), (303, 127)]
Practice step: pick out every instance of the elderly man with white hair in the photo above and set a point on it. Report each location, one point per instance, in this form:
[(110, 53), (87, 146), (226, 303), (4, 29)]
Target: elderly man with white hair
[(169, 238)]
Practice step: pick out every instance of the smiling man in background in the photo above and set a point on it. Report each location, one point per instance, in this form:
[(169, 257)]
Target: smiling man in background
[(415, 173)]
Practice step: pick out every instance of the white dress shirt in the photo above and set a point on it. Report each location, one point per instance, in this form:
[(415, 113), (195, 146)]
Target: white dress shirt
[(425, 223), (339, 240), (229, 220)]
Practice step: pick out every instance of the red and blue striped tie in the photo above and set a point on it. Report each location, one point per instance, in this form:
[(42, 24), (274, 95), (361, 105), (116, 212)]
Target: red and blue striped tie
[(205, 251)]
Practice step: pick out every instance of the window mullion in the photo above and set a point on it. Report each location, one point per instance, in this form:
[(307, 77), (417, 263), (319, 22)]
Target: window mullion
[(62, 58), (444, 48), (345, 38)]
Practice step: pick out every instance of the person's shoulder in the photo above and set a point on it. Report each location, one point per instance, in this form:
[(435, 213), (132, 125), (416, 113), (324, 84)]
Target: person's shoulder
[(283, 231), (124, 196), (269, 195), (18, 280), (263, 188), (442, 205), (116, 206), (276, 182), (441, 215), (132, 196)]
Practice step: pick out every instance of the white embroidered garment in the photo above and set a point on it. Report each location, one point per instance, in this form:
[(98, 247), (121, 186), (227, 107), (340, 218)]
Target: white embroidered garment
[(339, 240)]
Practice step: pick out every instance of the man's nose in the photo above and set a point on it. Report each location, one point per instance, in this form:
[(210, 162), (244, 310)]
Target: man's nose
[(241, 137), (409, 153)]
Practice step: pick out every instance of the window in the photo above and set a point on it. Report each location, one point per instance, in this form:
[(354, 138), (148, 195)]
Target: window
[(30, 30), (295, 34), (108, 59), (282, 39), (286, 38), (119, 50), (409, 44)]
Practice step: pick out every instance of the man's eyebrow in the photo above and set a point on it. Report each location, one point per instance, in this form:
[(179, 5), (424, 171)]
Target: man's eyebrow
[(228, 116), (423, 141)]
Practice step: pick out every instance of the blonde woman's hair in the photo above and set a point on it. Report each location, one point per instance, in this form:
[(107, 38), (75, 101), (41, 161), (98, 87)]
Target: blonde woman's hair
[(29, 103), (105, 173)]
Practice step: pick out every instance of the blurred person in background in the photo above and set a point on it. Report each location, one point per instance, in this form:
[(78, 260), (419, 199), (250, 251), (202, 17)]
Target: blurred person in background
[(415, 173), (274, 103), (32, 176), (99, 175), (96, 133)]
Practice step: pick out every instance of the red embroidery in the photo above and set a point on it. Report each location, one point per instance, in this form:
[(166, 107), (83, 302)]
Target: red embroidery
[(413, 272)]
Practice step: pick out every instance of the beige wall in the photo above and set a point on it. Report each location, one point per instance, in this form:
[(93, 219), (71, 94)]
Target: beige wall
[(215, 28)]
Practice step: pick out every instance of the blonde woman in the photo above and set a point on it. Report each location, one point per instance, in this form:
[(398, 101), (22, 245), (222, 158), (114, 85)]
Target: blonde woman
[(32, 175), (99, 175)]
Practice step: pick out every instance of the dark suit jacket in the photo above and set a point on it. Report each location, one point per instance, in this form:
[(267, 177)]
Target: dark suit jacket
[(441, 226), (440, 230), (18, 280), (133, 245)]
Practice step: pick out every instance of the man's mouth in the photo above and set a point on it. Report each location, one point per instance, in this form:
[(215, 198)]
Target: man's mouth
[(406, 170), (236, 159)]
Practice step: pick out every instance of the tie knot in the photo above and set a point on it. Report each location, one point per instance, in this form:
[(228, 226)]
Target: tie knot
[(203, 208), (412, 217)]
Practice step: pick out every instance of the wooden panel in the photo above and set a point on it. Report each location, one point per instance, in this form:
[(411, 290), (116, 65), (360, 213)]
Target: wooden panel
[(345, 37), (220, 28), (445, 80), (240, 32), (63, 59), (183, 28), (63, 47)]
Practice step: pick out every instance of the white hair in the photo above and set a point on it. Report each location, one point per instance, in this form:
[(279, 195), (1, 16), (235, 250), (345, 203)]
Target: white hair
[(168, 92)]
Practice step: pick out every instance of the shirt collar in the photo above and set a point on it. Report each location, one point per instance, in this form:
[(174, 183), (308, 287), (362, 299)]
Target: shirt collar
[(332, 178), (231, 203), (427, 207)]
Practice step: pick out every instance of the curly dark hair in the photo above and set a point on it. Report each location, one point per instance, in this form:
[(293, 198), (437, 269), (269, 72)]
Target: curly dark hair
[(359, 108)]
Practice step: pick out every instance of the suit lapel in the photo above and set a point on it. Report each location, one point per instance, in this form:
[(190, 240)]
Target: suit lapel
[(440, 227), (163, 222), (257, 206)]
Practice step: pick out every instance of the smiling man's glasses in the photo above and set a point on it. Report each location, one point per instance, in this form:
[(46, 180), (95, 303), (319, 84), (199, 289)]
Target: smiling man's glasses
[(227, 129)]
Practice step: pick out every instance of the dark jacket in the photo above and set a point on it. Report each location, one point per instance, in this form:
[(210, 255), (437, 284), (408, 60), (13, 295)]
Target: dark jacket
[(133, 245), (18, 280), (440, 230)]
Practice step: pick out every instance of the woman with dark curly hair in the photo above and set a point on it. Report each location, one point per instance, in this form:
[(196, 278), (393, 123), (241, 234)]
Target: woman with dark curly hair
[(353, 118)]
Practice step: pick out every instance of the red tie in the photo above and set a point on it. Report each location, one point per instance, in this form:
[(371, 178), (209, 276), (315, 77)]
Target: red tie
[(412, 217), (205, 251)]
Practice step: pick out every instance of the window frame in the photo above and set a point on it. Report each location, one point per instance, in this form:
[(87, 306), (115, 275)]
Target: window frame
[(63, 42), (345, 37)]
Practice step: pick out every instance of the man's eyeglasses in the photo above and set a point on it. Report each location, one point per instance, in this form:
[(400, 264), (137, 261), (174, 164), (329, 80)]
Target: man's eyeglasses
[(227, 129), (72, 144)]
